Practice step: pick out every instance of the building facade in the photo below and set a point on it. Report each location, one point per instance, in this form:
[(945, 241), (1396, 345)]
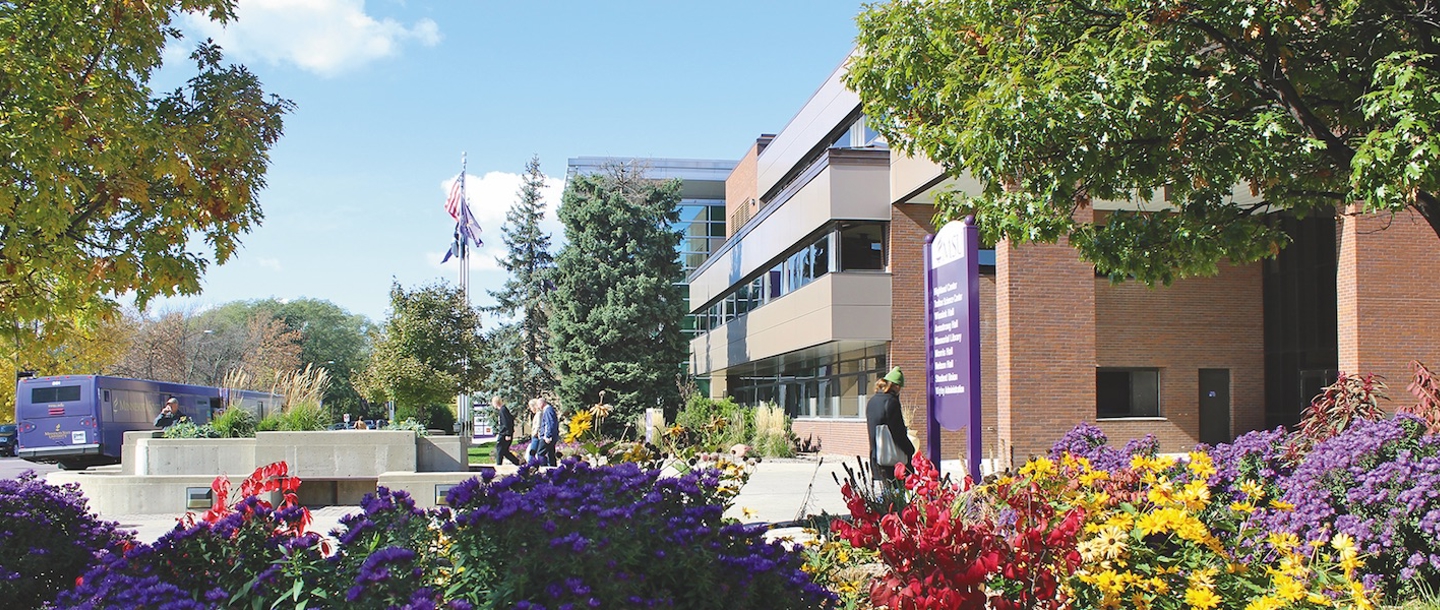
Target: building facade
[(817, 291)]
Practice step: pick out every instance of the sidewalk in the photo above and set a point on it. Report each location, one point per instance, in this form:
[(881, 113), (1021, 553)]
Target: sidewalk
[(779, 490)]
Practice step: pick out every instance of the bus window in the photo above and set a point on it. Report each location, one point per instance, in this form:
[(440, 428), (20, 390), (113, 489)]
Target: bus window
[(64, 393)]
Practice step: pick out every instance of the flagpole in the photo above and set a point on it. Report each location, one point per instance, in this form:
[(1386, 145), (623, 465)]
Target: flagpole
[(464, 247)]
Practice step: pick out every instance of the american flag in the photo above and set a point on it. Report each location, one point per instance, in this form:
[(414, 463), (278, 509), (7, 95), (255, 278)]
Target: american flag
[(456, 201)]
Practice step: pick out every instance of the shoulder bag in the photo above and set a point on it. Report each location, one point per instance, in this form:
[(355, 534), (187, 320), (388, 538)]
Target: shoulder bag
[(886, 453)]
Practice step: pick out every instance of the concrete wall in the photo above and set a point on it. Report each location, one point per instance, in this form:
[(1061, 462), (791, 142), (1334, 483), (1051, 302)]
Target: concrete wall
[(119, 494), (336, 454), (196, 456), (441, 454)]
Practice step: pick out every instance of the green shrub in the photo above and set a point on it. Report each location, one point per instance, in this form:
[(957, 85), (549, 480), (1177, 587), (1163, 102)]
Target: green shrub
[(440, 417), (712, 425), (304, 417), (270, 423), (186, 428), (772, 436), (235, 423), (408, 424)]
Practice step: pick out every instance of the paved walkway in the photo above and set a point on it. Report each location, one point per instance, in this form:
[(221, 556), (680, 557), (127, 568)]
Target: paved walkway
[(779, 490)]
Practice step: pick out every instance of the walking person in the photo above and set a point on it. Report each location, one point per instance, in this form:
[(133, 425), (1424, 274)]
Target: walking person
[(504, 432), (883, 411), (548, 432), (532, 450)]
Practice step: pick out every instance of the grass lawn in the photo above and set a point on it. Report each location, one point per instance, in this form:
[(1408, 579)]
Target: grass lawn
[(482, 454)]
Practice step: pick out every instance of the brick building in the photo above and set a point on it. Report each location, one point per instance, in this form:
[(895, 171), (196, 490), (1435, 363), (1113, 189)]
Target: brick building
[(818, 290)]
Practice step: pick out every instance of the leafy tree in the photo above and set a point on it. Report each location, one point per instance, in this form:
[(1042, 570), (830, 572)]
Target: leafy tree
[(519, 351), (617, 311), (430, 352), (107, 190), (75, 345), (1050, 105)]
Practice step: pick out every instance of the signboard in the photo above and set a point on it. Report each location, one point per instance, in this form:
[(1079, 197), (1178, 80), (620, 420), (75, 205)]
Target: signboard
[(953, 320)]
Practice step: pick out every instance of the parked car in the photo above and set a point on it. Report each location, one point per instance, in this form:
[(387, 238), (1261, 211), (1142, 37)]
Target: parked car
[(7, 439), (339, 425)]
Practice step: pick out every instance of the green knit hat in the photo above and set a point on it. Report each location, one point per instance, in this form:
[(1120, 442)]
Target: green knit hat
[(896, 377)]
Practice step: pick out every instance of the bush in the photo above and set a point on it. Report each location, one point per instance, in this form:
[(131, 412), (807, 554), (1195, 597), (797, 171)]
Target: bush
[(235, 423), (440, 417), (773, 437), (1379, 483), (186, 428), (303, 417), (615, 537), (707, 425), (48, 538)]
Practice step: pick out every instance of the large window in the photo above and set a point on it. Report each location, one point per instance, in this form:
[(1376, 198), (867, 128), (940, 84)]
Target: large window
[(832, 387), (848, 246), (1127, 392), (862, 246)]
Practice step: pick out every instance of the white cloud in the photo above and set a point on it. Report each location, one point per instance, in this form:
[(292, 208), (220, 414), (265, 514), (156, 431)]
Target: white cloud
[(269, 263), (326, 37), (491, 196)]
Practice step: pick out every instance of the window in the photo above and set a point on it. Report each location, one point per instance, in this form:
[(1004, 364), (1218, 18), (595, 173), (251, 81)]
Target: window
[(1121, 392), (64, 393), (862, 246)]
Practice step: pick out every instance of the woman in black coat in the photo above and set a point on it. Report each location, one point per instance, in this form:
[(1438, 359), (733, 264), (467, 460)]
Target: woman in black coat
[(884, 410)]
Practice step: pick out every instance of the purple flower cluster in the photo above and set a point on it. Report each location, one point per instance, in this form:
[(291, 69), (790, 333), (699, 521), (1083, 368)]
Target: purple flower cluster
[(389, 554), (1088, 441), (1379, 482), (239, 559), (1259, 456), (617, 536), (48, 537)]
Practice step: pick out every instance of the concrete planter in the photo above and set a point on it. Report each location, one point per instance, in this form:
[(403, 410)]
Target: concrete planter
[(160, 475)]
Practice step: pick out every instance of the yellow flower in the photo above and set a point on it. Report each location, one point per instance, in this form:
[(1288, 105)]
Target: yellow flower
[(1201, 465), (1288, 588), (1089, 478), (1282, 506), (1282, 542), (1264, 603), (1201, 598), (1195, 495), (1242, 507), (1038, 467), (748, 512), (1343, 542), (1203, 579), (1252, 489)]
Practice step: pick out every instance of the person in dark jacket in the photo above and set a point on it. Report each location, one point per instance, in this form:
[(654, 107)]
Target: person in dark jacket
[(504, 432), (169, 414), (884, 410)]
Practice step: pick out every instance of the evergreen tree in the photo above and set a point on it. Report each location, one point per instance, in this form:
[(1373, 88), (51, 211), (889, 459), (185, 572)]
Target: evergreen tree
[(617, 311), (519, 351)]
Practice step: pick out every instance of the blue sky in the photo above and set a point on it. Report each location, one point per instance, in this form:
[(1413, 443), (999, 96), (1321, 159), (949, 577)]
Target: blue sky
[(389, 93)]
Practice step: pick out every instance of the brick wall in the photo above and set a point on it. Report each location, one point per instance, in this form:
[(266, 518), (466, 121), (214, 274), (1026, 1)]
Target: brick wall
[(741, 185), (1388, 292), (909, 224), (1198, 323), (1045, 344)]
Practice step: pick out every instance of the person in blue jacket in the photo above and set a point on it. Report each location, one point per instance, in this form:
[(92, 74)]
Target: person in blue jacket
[(548, 432)]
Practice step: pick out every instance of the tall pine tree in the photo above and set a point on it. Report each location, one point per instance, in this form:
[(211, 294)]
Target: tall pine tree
[(519, 349), (617, 311)]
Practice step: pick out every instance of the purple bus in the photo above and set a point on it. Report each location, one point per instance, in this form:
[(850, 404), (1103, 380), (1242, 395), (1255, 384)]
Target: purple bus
[(80, 420)]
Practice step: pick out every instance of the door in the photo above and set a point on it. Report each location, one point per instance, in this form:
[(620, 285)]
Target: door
[(1215, 406)]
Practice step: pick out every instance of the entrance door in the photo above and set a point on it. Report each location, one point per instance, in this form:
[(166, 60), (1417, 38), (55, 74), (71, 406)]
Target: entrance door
[(1215, 406)]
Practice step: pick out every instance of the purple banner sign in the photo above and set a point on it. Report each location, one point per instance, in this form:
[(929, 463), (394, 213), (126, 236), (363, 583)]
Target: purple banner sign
[(953, 316)]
